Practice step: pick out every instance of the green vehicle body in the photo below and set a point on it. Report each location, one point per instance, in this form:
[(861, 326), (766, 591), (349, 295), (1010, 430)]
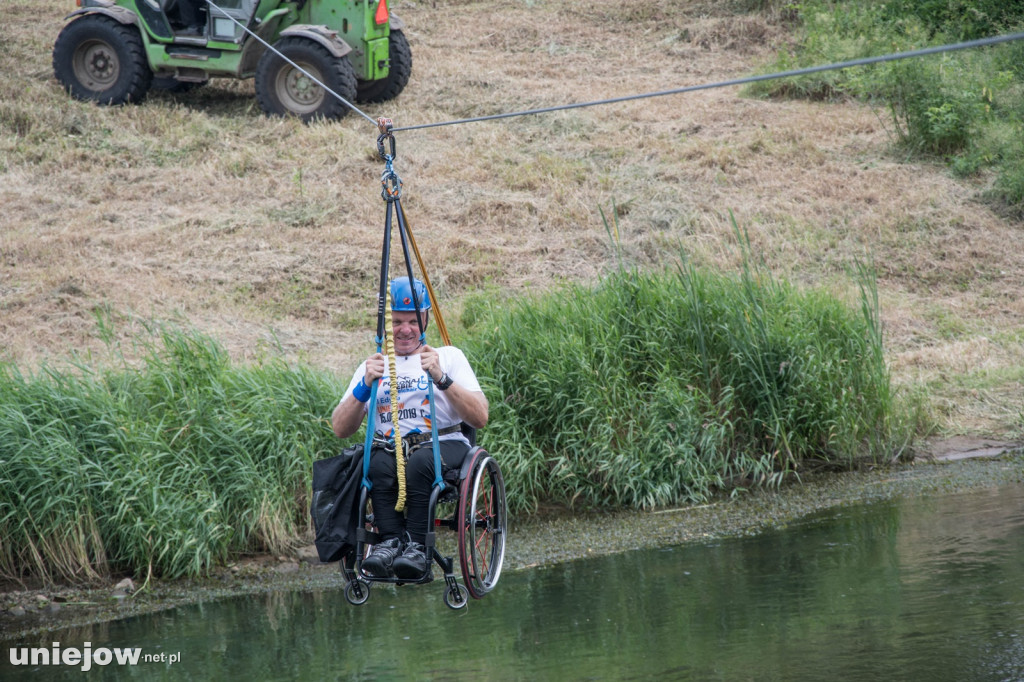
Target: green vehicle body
[(361, 32)]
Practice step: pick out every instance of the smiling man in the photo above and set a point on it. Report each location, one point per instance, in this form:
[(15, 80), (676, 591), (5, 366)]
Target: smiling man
[(458, 398)]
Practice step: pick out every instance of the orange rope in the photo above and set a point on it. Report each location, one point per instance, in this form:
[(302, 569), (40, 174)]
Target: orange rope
[(435, 304)]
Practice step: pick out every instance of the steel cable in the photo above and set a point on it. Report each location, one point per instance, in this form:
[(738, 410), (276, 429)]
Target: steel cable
[(981, 42), (835, 66)]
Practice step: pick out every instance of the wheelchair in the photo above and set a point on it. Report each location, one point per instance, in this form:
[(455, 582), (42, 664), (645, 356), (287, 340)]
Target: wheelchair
[(472, 505)]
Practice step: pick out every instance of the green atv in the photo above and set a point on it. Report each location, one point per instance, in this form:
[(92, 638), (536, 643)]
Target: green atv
[(114, 51)]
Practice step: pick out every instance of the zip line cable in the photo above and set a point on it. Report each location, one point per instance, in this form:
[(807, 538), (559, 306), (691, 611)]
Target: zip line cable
[(982, 42), (836, 66)]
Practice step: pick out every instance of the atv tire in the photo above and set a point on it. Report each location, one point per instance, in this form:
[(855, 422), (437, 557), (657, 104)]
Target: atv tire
[(399, 69), (283, 90), (97, 59)]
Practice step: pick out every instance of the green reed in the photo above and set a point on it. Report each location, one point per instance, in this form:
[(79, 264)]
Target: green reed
[(644, 390), (166, 468), (661, 388)]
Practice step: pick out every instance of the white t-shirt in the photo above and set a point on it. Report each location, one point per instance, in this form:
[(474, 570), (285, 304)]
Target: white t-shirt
[(413, 399)]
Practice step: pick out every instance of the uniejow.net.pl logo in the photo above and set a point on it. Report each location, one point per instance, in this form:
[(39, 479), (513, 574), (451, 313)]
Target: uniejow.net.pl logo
[(85, 657)]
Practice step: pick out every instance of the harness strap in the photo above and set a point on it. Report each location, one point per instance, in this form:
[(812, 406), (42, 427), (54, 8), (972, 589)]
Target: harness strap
[(391, 192), (415, 439), (418, 438)]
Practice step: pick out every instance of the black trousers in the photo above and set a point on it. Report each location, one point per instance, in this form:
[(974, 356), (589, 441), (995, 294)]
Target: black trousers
[(419, 481)]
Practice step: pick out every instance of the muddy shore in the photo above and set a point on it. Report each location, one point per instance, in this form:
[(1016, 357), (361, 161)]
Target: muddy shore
[(949, 466)]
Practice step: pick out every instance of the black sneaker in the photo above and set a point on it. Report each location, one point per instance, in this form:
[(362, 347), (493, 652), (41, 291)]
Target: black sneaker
[(412, 564), (378, 564)]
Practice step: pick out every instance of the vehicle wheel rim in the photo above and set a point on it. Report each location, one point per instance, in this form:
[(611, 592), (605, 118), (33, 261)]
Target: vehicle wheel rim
[(297, 91), (96, 65), (456, 597)]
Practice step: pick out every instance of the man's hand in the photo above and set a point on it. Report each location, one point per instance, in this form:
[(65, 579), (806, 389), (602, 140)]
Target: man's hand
[(471, 406), (430, 363), (349, 414), (375, 365)]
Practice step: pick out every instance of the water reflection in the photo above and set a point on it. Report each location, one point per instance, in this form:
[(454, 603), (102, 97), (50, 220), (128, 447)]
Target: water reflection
[(926, 589)]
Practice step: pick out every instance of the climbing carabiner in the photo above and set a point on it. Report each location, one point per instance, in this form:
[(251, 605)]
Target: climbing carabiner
[(385, 126), (391, 184)]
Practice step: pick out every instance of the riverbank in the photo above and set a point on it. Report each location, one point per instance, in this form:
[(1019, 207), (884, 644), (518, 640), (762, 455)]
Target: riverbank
[(553, 537)]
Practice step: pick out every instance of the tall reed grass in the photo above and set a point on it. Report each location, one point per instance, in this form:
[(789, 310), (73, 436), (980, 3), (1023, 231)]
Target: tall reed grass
[(662, 388), (646, 389), (165, 468)]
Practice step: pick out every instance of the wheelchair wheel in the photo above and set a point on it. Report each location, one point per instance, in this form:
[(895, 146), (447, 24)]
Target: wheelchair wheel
[(482, 522), (456, 597), (357, 591)]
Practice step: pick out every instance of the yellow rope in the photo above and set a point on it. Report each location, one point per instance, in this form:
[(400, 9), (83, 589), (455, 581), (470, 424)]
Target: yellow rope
[(389, 350)]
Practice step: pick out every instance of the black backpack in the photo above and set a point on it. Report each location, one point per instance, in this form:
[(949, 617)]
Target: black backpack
[(335, 505)]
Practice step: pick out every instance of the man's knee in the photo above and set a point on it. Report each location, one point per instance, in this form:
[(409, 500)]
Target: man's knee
[(382, 467), (421, 463)]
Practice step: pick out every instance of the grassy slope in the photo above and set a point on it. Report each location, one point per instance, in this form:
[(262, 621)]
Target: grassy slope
[(265, 233)]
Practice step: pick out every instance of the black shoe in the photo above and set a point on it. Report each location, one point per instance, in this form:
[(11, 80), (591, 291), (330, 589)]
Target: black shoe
[(378, 564), (192, 31), (412, 564)]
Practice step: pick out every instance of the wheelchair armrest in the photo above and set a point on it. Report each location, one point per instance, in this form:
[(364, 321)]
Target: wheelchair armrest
[(469, 432), (467, 463)]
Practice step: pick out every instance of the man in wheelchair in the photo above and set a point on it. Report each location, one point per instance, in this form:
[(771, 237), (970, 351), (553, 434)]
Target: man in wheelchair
[(458, 399)]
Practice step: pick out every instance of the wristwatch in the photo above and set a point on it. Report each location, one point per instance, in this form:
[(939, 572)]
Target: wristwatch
[(444, 382)]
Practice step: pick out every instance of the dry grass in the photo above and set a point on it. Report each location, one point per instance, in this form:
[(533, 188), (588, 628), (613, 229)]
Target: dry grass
[(266, 234)]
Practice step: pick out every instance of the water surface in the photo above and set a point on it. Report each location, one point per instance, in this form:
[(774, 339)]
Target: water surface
[(920, 589)]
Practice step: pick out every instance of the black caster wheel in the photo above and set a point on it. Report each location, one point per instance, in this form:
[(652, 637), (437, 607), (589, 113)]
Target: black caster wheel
[(357, 591), (456, 597)]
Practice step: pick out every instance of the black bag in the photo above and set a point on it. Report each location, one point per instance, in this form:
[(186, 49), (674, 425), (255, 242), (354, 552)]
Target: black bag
[(335, 512)]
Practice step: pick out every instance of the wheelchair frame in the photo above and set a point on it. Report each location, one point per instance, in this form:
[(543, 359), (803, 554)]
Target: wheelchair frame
[(479, 520)]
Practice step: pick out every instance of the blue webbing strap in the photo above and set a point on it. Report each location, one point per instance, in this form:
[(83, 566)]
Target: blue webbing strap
[(389, 196), (368, 443), (438, 479), (403, 237)]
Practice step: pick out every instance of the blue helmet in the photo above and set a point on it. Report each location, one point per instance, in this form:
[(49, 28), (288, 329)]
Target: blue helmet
[(401, 295)]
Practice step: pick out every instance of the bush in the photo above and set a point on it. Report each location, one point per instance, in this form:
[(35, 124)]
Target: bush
[(165, 469), (956, 106), (958, 19), (932, 113), (655, 389), (648, 389)]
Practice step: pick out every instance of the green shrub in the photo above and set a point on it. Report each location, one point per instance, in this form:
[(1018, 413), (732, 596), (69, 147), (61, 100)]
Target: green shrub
[(654, 389), (647, 389), (166, 468), (956, 106), (934, 111), (1009, 186), (959, 19)]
